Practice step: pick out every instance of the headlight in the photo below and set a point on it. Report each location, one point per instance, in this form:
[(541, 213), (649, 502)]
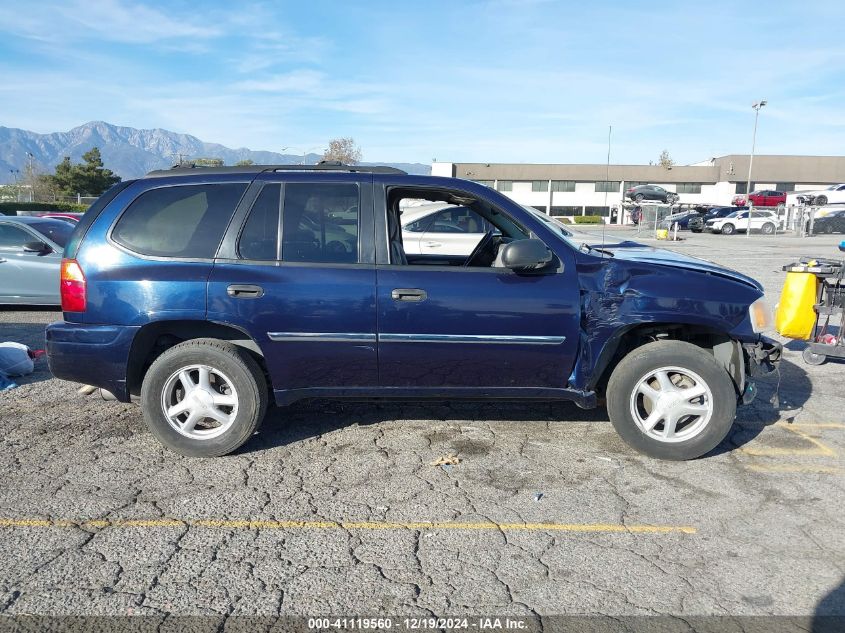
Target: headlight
[(760, 316)]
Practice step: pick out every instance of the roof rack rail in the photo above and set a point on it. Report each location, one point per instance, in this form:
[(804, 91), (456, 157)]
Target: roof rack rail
[(191, 168)]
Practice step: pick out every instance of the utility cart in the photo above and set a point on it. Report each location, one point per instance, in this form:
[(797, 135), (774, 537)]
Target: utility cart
[(829, 307)]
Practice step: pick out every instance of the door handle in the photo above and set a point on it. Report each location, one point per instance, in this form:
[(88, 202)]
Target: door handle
[(408, 294), (433, 244), (245, 291)]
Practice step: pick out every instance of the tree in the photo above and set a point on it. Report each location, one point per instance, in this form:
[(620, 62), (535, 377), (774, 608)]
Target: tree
[(343, 149), (246, 162), (665, 160), (89, 177), (208, 162)]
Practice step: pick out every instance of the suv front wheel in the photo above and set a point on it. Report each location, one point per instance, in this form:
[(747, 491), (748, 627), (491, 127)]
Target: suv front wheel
[(204, 397), (671, 400)]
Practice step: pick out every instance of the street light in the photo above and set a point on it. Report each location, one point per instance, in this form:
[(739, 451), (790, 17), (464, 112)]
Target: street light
[(756, 105)]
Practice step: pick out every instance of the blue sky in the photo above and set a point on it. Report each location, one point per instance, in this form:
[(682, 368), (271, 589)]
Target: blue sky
[(473, 80)]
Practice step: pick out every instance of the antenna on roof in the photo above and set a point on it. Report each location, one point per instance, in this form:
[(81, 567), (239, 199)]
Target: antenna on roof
[(607, 183)]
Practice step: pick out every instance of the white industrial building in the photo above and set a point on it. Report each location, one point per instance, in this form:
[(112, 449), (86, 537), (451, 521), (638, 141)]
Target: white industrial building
[(569, 190)]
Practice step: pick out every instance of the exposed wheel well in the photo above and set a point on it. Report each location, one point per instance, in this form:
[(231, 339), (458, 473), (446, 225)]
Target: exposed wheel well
[(727, 351), (155, 338)]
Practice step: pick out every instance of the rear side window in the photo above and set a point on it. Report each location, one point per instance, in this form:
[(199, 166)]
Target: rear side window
[(179, 221), (91, 214), (320, 223), (260, 235)]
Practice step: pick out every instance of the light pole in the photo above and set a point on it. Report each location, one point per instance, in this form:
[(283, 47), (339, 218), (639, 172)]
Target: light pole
[(756, 105)]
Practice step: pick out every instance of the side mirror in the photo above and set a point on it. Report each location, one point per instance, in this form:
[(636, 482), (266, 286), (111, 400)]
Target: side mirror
[(37, 247), (525, 255)]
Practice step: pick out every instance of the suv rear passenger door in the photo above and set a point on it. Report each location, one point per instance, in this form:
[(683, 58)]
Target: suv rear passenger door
[(296, 272)]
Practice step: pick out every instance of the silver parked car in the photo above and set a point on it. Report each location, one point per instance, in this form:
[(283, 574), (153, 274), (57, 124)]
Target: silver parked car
[(30, 259)]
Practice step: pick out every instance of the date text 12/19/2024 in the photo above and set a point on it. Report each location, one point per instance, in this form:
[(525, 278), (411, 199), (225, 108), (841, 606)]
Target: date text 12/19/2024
[(418, 624)]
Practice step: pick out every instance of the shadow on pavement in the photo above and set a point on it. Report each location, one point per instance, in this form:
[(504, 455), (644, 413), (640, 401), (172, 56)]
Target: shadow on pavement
[(307, 419), (829, 616)]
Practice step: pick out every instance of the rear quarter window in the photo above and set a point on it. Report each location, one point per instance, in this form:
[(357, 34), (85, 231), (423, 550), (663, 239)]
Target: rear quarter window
[(186, 221)]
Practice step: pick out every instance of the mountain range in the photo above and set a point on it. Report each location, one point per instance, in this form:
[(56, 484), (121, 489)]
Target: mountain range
[(131, 153)]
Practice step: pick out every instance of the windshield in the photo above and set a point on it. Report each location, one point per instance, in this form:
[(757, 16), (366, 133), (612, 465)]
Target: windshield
[(57, 231)]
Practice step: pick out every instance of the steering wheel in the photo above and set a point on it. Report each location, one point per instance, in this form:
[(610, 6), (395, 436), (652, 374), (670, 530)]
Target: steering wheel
[(485, 242)]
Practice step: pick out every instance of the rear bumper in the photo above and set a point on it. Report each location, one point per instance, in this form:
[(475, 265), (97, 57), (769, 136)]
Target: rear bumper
[(91, 354)]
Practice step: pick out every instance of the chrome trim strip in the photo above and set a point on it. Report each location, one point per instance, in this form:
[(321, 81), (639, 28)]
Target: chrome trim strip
[(498, 339), (323, 337)]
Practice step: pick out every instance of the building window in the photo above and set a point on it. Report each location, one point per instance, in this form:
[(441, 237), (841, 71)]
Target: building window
[(740, 187), (486, 183), (539, 185), (506, 185), (540, 209), (563, 185), (785, 186), (602, 211), (610, 186), (688, 187), (634, 183), (558, 211)]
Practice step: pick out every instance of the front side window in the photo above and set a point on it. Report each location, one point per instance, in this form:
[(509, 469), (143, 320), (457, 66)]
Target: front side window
[(260, 235), (457, 220), (178, 221), (13, 238), (320, 223)]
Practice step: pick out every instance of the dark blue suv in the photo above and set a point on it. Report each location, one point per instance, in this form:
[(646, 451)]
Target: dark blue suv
[(206, 292)]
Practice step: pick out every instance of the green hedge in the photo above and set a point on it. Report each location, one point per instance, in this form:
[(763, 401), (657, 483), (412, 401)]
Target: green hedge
[(11, 208), (588, 219)]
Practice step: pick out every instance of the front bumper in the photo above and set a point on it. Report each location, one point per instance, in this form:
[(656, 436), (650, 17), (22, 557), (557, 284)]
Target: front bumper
[(91, 354), (762, 357)]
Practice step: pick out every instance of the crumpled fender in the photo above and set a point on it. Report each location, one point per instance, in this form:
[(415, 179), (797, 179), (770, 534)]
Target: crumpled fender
[(618, 296)]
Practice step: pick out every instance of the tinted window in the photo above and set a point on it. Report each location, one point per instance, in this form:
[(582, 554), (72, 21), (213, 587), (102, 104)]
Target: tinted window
[(58, 231), (90, 215), (420, 225), (11, 237), (320, 223), (261, 232), (457, 220), (186, 221)]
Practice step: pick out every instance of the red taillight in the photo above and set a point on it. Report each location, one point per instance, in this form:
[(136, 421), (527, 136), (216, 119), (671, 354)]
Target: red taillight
[(72, 286)]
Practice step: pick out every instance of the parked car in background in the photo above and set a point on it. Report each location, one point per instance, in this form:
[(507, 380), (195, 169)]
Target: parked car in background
[(651, 192), (761, 198), (764, 221), (442, 230), (686, 221), (169, 293), (69, 217), (30, 258), (833, 193), (721, 212), (833, 222)]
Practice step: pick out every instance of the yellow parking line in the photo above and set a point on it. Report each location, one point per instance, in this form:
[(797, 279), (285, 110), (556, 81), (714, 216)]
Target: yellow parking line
[(789, 468), (811, 425), (820, 450), (347, 525)]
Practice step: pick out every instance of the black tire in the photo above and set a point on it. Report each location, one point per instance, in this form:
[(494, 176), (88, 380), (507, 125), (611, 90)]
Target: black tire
[(820, 200), (625, 381), (811, 358), (728, 229), (639, 197), (828, 228), (768, 228), (237, 365)]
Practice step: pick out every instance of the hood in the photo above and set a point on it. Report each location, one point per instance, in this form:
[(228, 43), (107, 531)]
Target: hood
[(636, 252)]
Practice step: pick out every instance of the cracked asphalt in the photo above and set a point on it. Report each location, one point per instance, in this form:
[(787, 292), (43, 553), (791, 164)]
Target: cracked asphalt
[(335, 508)]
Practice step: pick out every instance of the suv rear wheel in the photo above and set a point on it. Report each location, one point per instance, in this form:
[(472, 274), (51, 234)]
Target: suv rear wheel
[(671, 400), (768, 228), (204, 397)]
